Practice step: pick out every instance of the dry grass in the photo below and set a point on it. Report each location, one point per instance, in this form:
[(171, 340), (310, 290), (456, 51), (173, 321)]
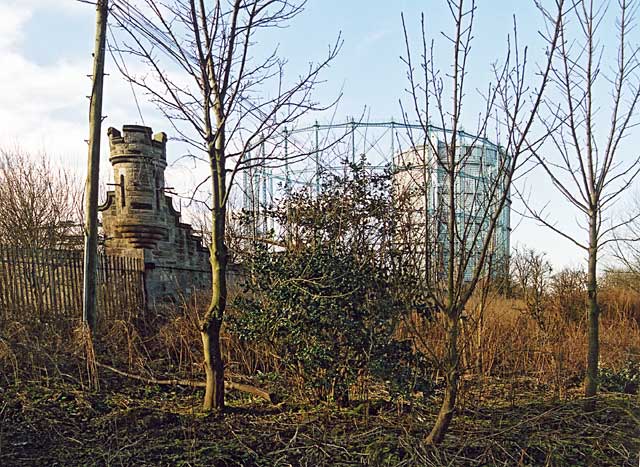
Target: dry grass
[(128, 425), (500, 341), (504, 341), (518, 404)]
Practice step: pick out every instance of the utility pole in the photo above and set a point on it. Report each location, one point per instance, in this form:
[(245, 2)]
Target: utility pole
[(89, 309)]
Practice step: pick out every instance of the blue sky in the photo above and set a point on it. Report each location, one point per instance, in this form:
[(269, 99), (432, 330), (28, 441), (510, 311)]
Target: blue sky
[(45, 55)]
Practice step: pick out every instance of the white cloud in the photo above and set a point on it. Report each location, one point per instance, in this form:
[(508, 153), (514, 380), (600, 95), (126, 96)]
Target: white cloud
[(41, 103), (12, 24), (43, 107)]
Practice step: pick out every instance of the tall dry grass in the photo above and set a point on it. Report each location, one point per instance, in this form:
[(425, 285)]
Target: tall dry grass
[(499, 340), (502, 340)]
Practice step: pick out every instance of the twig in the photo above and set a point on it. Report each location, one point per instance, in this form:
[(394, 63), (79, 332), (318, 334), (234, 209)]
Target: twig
[(246, 388)]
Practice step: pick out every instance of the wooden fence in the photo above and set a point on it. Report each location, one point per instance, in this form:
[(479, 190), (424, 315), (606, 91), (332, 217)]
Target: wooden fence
[(49, 283)]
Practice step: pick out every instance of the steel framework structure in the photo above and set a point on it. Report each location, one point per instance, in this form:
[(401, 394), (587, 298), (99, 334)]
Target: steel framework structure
[(305, 154)]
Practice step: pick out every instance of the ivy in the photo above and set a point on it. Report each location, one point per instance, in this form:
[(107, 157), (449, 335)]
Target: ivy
[(330, 301)]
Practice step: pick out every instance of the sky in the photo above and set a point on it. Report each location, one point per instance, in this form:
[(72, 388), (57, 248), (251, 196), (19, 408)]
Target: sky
[(45, 57)]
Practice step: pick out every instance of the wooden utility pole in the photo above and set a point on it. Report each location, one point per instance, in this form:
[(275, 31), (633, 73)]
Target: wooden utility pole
[(89, 310)]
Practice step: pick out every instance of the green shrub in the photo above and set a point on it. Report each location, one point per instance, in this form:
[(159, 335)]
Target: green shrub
[(329, 301), (625, 380)]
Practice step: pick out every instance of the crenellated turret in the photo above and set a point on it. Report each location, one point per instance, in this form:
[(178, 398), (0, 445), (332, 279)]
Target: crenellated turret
[(139, 160), (138, 218)]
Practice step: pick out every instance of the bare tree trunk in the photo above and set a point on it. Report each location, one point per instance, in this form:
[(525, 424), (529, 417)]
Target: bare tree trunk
[(90, 304), (593, 349), (213, 367), (445, 414), (210, 328), (479, 339), (212, 321)]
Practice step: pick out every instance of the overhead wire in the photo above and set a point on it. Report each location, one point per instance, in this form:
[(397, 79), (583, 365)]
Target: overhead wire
[(126, 70)]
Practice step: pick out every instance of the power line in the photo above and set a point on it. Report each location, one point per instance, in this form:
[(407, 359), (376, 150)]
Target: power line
[(124, 67)]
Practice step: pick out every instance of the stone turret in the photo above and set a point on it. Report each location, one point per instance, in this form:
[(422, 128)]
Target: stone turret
[(139, 220), (139, 160)]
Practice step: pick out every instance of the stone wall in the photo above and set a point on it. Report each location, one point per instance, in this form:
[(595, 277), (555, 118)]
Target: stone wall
[(139, 220)]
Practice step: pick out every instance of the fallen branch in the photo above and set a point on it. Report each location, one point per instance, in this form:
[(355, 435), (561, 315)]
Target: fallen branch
[(246, 388)]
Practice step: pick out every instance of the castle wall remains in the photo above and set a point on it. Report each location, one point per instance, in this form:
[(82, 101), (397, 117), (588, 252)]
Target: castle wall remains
[(139, 220)]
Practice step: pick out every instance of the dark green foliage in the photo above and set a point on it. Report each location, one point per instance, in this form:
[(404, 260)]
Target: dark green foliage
[(402, 369), (329, 302), (327, 315), (625, 380)]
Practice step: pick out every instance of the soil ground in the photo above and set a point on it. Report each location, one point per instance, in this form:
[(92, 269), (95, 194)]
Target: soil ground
[(127, 423)]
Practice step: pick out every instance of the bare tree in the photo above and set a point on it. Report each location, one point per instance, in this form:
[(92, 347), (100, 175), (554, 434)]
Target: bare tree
[(199, 216), (40, 205), (532, 274), (587, 169), (206, 77), (626, 249), (459, 209), (568, 293)]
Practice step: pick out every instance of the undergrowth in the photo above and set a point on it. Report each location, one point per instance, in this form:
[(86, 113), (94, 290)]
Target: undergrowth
[(519, 398)]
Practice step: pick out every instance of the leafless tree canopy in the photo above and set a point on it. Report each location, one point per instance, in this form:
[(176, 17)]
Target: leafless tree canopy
[(588, 114), (436, 98), (532, 273), (39, 205), (206, 70), (465, 225)]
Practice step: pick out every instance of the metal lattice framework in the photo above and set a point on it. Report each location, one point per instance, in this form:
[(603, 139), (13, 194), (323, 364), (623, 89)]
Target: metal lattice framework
[(308, 153), (311, 151)]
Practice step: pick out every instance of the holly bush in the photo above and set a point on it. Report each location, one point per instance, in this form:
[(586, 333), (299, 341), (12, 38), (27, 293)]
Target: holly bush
[(329, 300)]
